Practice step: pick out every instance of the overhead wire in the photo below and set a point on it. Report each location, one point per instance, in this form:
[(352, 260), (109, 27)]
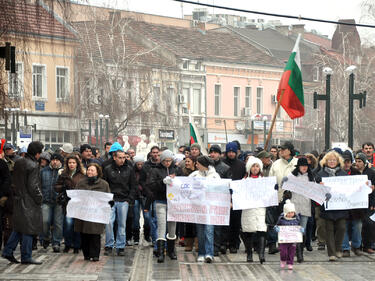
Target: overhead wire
[(274, 14)]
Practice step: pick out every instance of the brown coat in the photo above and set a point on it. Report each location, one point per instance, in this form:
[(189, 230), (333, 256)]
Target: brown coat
[(86, 226)]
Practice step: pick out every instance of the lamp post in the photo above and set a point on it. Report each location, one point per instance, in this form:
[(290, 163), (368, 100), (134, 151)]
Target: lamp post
[(264, 130), (101, 116), (327, 97), (252, 133), (106, 127), (362, 102)]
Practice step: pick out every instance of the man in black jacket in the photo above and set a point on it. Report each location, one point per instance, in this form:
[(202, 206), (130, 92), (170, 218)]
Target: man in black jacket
[(121, 179), (27, 210), (238, 170), (4, 190)]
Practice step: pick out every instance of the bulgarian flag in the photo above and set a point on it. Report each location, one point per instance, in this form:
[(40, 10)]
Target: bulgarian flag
[(291, 83), (195, 137)]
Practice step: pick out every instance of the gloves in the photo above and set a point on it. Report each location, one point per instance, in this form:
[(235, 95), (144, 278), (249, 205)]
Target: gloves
[(167, 180), (302, 230), (276, 187), (111, 203), (285, 179), (328, 196), (277, 229)]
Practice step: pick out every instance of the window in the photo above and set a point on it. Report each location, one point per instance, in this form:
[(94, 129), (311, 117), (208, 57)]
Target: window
[(39, 81), (129, 93), (236, 100), (185, 64), (171, 98), (198, 66), (217, 99), (259, 100), (156, 94), (197, 101), (15, 89), (62, 82), (248, 97), (315, 73)]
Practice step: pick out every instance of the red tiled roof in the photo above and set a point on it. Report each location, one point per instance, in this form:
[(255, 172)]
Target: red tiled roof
[(209, 45), (317, 39), (102, 39), (31, 19)]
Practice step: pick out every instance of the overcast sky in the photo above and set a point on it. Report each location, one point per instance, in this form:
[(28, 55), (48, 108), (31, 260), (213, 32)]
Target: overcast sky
[(321, 9)]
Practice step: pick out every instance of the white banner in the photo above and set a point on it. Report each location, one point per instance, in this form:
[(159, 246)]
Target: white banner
[(254, 193), (290, 234), (312, 190), (199, 200), (89, 205), (348, 192)]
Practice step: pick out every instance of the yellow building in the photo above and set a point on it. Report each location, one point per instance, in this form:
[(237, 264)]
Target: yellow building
[(43, 86)]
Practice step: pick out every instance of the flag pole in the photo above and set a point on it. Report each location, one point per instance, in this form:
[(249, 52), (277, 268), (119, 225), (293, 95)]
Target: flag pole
[(274, 120), (225, 127)]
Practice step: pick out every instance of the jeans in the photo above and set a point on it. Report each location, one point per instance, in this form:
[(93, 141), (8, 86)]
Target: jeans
[(356, 235), (72, 239), (138, 206), (26, 245), (161, 214), (205, 233), (303, 222), (309, 230), (52, 216), (119, 211)]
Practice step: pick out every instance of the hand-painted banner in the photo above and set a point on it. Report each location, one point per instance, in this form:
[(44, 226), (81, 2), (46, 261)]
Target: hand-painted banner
[(89, 205), (290, 234), (254, 193), (199, 200), (347, 192), (312, 190)]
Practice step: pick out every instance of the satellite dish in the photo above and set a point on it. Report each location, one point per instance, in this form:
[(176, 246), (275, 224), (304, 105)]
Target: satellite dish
[(240, 125)]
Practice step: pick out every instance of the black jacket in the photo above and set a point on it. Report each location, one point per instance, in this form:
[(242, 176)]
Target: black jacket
[(4, 179), (155, 184), (333, 214), (223, 169), (237, 168), (371, 176), (121, 180), (27, 210), (146, 172)]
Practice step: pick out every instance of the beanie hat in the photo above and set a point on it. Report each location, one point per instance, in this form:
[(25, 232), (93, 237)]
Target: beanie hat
[(45, 155), (138, 158), (205, 161), (67, 148), (231, 146), (196, 145), (289, 207), (347, 155), (166, 154), (338, 150), (215, 148), (361, 156), (251, 161), (302, 162), (115, 147), (57, 156)]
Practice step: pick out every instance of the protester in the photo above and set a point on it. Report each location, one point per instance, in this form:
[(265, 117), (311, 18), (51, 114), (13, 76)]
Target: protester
[(27, 200), (68, 179), (44, 159), (66, 149), (274, 153), (107, 147), (205, 232), (265, 157), (253, 221), (91, 231), (368, 150), (5, 197)]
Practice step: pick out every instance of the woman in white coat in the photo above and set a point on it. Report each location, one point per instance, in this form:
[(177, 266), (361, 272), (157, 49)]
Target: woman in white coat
[(205, 232), (253, 221)]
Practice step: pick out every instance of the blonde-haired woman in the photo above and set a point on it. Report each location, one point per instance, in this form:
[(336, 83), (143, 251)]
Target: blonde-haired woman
[(335, 220)]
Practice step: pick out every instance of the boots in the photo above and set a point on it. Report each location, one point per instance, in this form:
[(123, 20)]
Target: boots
[(248, 241), (189, 244), (171, 248), (299, 252), (262, 246), (160, 245)]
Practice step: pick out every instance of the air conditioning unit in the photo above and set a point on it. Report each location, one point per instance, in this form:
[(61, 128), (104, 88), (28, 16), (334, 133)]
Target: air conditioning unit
[(180, 99), (274, 98)]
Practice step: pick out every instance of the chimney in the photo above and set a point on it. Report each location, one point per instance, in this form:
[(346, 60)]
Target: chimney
[(283, 29), (298, 28)]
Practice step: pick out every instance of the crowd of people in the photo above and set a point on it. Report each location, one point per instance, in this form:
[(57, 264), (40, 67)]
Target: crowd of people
[(33, 201)]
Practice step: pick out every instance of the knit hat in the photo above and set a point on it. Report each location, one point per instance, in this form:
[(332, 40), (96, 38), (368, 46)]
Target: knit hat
[(302, 162), (138, 158), (289, 207), (251, 161), (338, 150), (263, 154), (166, 154), (231, 146), (215, 148), (57, 156), (196, 145), (347, 155), (361, 156), (67, 148), (115, 147), (45, 155), (205, 161)]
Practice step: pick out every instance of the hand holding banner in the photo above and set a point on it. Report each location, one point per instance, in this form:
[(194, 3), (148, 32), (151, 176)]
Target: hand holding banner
[(290, 234)]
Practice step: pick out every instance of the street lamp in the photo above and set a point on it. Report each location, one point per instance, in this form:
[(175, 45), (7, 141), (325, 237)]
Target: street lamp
[(264, 130)]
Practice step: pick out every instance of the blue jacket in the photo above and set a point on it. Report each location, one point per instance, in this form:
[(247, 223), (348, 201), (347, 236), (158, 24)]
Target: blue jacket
[(48, 179), (283, 221)]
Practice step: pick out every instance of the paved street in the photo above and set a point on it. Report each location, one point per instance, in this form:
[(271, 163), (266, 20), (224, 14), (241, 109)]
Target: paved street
[(138, 264)]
